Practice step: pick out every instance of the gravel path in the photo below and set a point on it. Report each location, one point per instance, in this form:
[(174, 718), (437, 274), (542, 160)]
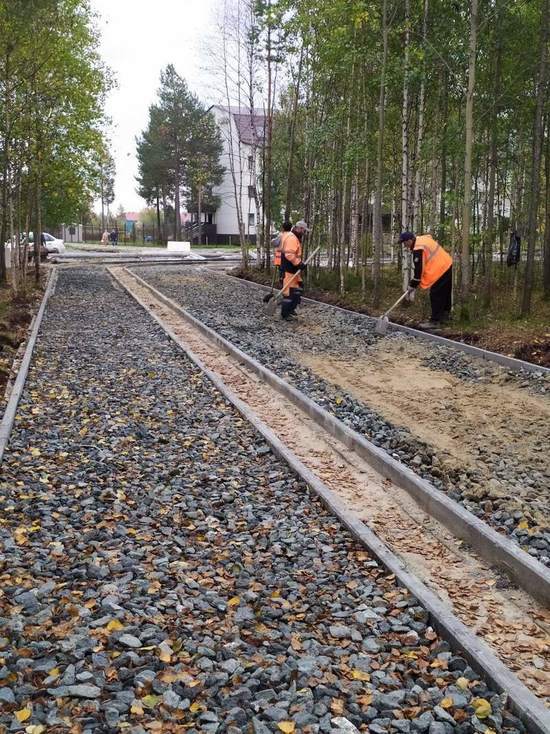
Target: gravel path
[(504, 477), (162, 572)]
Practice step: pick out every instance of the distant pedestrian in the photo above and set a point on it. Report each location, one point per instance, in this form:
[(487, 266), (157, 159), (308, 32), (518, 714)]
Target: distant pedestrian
[(105, 238), (433, 269), (115, 242), (514, 250)]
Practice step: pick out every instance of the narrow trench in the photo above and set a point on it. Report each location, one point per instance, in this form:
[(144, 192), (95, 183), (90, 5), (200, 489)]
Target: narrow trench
[(516, 627)]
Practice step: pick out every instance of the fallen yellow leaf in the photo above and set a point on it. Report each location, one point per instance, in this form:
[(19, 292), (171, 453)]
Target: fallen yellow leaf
[(54, 672), (137, 708), (20, 535), (446, 703), (115, 624), (463, 683), (165, 654), (482, 708), (360, 675), (287, 726), (35, 729), (150, 701), (23, 714), (234, 601), (365, 700)]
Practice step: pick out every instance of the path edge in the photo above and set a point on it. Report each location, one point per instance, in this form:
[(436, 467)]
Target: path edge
[(524, 703), (496, 549), (512, 363), (19, 384)]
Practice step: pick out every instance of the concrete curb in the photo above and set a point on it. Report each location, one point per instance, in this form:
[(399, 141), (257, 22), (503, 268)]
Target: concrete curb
[(524, 704), (17, 389), (517, 365), (496, 549)]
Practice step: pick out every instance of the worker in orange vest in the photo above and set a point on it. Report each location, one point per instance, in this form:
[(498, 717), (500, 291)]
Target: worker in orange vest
[(276, 243), (433, 269), (291, 263)]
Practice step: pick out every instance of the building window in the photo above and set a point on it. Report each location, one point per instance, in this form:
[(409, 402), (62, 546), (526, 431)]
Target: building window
[(251, 219), (250, 162), (251, 192)]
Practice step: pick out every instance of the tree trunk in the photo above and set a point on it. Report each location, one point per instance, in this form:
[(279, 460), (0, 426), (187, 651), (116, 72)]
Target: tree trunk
[(377, 220), (420, 131), (199, 212), (177, 204), (13, 249), (546, 266), (534, 188), (354, 220), (443, 189), (269, 139), (405, 260), (292, 137), (102, 202), (38, 228), (493, 163), (159, 236), (5, 167), (469, 123)]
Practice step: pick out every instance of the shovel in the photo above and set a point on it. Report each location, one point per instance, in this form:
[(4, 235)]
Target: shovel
[(269, 295), (382, 322), (275, 298)]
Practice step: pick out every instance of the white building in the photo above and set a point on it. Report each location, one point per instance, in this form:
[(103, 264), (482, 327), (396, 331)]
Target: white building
[(242, 132)]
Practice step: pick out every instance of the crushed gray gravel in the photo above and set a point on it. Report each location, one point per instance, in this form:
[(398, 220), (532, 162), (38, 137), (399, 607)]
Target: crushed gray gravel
[(235, 312), (163, 572)]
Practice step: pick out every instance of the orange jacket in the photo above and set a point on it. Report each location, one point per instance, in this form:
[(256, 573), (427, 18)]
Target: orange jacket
[(291, 247), (435, 260), (292, 250), (277, 253)]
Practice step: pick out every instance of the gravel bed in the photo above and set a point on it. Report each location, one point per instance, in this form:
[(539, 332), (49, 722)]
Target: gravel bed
[(162, 571), (232, 312)]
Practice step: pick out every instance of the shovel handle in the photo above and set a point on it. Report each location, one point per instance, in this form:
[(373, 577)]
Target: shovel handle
[(390, 309), (280, 293)]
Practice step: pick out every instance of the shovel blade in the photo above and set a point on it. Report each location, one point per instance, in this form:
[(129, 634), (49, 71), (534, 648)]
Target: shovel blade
[(271, 306), (381, 326)]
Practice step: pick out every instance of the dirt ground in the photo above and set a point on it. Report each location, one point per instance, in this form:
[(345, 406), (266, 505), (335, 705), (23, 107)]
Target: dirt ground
[(453, 416), (15, 316), (500, 331)]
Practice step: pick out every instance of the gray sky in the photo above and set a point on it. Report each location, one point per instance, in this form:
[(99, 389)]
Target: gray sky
[(137, 40)]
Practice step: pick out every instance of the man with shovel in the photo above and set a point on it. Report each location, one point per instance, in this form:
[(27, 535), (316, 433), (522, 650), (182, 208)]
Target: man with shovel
[(291, 263), (433, 269)]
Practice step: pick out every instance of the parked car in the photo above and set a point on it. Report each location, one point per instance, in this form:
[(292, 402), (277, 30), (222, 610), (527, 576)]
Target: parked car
[(51, 244)]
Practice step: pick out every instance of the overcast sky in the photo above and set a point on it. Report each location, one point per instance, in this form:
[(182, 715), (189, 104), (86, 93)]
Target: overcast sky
[(137, 40)]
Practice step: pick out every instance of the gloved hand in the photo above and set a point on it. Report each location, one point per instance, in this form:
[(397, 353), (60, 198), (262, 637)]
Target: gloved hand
[(413, 285), (302, 267)]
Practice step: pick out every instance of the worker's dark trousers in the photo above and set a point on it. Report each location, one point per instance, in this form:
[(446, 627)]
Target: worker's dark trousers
[(291, 302), (441, 294)]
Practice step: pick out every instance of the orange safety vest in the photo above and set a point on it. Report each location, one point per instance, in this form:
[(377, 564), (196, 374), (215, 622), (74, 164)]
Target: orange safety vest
[(277, 253), (292, 250), (435, 260)]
